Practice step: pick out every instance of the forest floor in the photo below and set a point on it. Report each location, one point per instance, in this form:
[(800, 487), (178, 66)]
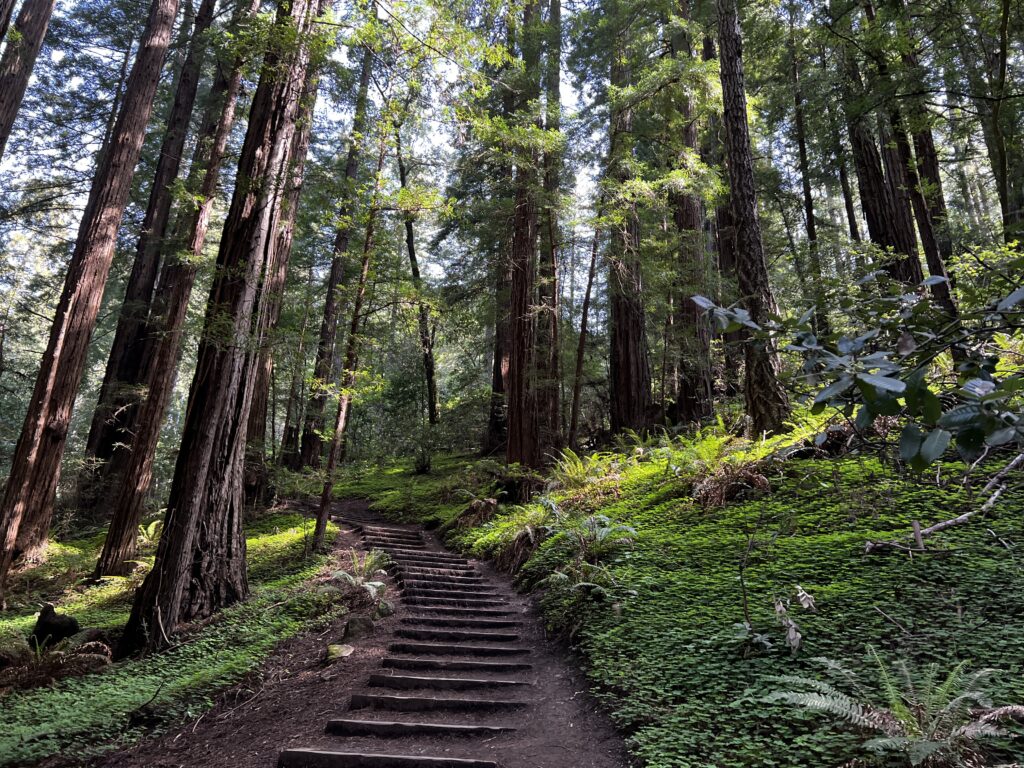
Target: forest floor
[(289, 699), (683, 625)]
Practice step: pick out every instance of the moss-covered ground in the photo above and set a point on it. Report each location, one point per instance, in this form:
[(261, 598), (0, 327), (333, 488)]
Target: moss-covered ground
[(83, 716), (663, 636)]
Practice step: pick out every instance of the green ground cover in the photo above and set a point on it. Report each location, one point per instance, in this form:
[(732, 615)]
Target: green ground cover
[(84, 716), (660, 623)]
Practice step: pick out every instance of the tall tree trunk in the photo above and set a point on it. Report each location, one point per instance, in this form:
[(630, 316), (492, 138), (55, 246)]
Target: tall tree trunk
[(27, 506), (120, 391), (695, 396), (351, 364), (767, 404), (523, 441), (629, 359), (581, 344), (326, 355), (814, 254), (497, 418), (19, 59), (200, 561), (882, 194), (289, 453), (6, 11), (131, 471), (548, 357), (256, 485), (422, 308)]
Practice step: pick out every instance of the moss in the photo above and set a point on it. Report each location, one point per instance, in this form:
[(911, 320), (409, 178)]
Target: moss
[(88, 715)]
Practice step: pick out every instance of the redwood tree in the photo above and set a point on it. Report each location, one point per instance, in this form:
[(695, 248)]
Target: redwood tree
[(27, 505), (200, 561), (19, 57), (767, 404), (130, 472), (119, 393)]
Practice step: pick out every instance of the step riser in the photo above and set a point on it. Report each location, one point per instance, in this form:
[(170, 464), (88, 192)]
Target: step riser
[(445, 649), (454, 635), (455, 666), (460, 603), (393, 730), (481, 613), (453, 594), (426, 704), (315, 758), (433, 621), (445, 584), (408, 683)]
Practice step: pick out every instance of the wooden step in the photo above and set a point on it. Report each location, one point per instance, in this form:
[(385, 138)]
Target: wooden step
[(408, 682), (428, 703), (443, 583), (441, 665), (471, 612), (424, 569), (409, 575), (380, 543), (421, 633), (425, 554), (443, 591), (454, 602), (457, 621), (321, 758), (451, 649), (392, 729)]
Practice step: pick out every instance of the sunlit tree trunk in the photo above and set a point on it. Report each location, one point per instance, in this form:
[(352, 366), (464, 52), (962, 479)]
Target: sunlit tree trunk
[(27, 506), (131, 472), (200, 561), (122, 381), (19, 58)]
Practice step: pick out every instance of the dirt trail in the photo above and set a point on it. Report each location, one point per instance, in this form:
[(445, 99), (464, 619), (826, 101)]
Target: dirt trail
[(462, 676)]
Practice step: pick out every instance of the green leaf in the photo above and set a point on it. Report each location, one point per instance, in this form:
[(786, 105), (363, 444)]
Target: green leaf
[(931, 406), (959, 417), (833, 389), (884, 383), (1001, 436), (910, 441), (935, 445)]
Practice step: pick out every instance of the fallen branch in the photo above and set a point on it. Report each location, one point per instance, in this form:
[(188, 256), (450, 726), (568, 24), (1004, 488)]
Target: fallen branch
[(994, 487)]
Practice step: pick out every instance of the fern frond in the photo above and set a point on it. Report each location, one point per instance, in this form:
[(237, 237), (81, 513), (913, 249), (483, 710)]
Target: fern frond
[(841, 706)]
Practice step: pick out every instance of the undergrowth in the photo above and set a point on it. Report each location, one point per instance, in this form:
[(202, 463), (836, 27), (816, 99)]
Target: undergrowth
[(685, 629), (81, 717)]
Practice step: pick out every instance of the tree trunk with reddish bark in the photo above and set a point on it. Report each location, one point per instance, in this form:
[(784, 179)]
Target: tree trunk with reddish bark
[(766, 400), (122, 382), (19, 58), (131, 471), (200, 561), (27, 506), (523, 444)]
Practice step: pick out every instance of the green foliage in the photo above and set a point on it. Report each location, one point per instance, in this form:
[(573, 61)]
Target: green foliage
[(656, 621), (83, 716), (927, 719), (365, 573)]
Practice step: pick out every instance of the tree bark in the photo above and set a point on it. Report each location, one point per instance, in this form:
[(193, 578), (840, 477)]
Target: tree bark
[(256, 485), (27, 506), (131, 471), (120, 390), (200, 561), (547, 365), (326, 356), (422, 308), (523, 444), (767, 404), (629, 359), (6, 11), (19, 58)]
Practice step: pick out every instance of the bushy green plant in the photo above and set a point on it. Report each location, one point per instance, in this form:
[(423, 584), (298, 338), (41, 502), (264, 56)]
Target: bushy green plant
[(572, 470), (149, 534), (365, 574), (924, 719)]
